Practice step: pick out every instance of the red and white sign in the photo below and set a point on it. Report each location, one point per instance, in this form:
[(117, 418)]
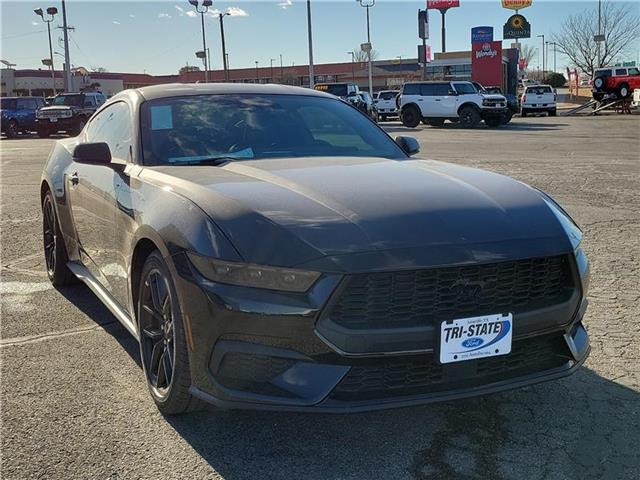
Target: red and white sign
[(441, 4), (486, 63)]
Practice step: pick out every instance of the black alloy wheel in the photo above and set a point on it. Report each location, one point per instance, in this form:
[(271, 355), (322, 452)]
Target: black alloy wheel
[(469, 117), (410, 117), (55, 252), (163, 350)]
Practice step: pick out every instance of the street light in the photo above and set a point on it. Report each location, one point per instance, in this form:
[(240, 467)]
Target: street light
[(353, 68), (51, 12), (554, 54), (225, 64), (281, 69), (368, 4), (271, 60), (205, 7), (544, 66), (257, 76)]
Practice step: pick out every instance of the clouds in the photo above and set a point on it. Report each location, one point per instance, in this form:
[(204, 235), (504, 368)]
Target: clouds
[(164, 15), (115, 22), (191, 13), (284, 4), (237, 12), (232, 11), (35, 24)]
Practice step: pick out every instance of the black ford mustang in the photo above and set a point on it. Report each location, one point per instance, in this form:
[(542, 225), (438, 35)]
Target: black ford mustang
[(271, 247)]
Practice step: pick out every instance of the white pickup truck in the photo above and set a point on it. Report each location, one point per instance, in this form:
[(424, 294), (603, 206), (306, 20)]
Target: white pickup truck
[(386, 104), (539, 99)]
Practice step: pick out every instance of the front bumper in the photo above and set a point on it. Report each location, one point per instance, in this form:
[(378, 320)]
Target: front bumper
[(66, 123), (493, 112), (252, 349)]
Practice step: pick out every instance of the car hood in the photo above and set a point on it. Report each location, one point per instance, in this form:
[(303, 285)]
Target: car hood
[(56, 108), (494, 96), (361, 213)]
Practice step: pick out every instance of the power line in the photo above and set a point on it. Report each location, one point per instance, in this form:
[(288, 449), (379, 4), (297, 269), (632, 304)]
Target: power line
[(22, 34)]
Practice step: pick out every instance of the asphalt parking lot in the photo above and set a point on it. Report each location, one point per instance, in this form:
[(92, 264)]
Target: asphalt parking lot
[(74, 399)]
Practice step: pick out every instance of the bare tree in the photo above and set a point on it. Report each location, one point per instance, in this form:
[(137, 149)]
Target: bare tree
[(98, 69), (620, 27), (362, 57)]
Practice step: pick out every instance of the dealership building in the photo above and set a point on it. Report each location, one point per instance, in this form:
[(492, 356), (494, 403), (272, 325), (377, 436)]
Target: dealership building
[(486, 63)]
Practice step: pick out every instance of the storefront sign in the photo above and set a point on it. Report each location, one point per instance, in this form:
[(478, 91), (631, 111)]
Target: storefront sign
[(516, 4), (481, 34), (516, 27), (486, 63), (442, 4)]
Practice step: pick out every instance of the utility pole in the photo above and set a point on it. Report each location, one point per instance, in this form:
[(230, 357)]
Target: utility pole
[(224, 47), (368, 4), (281, 69), (257, 76), (544, 65), (68, 81), (599, 30), (271, 60), (312, 78)]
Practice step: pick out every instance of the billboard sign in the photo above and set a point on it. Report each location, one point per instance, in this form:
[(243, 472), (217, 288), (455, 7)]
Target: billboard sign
[(481, 34), (516, 4), (442, 4), (486, 63), (516, 27)]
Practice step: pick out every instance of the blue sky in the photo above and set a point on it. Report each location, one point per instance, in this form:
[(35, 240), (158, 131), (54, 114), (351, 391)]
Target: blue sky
[(159, 37)]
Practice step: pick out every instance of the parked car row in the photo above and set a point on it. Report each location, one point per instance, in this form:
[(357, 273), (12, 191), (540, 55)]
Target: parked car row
[(67, 112)]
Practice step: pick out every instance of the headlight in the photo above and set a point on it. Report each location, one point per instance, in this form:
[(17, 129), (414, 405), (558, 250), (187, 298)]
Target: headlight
[(257, 276)]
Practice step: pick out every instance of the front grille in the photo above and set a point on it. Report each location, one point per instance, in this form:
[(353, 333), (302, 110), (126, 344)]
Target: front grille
[(383, 378), (423, 297)]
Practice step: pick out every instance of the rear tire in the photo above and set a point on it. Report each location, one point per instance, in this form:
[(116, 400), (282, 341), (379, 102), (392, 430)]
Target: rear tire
[(410, 117), (506, 118), (55, 251), (163, 343), (598, 83), (469, 117), (598, 96)]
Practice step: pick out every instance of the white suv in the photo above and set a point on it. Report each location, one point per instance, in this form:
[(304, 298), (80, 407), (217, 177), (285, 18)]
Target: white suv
[(539, 99), (459, 102), (385, 103)]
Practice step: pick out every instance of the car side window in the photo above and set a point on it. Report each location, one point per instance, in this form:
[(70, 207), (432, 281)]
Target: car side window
[(27, 104), (113, 126), (89, 102), (621, 72), (427, 90), (411, 89)]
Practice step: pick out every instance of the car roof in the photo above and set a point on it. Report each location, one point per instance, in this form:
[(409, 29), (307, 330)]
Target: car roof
[(184, 89), (16, 98)]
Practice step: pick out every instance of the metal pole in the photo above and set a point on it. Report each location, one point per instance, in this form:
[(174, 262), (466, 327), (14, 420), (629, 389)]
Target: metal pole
[(312, 78), (554, 57), (257, 76), (204, 49), (271, 60), (281, 69), (53, 71), (224, 49), (369, 53), (353, 68), (68, 81), (424, 64), (599, 29), (443, 11)]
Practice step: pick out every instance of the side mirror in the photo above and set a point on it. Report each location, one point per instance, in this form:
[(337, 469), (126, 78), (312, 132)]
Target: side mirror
[(409, 144), (92, 153)]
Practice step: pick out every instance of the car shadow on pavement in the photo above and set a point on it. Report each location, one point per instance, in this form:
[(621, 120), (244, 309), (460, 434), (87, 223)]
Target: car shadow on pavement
[(583, 426), (83, 298)]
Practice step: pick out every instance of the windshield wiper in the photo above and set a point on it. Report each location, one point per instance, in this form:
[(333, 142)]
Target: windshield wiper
[(213, 161)]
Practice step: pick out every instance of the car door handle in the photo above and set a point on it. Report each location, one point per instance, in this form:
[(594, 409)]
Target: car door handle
[(438, 99), (74, 178)]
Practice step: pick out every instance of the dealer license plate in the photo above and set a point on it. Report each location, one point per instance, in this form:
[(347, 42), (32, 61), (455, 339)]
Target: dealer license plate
[(53, 120), (476, 337)]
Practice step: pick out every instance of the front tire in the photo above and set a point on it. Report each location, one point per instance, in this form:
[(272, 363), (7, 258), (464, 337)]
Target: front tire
[(163, 345), (623, 91), (410, 117), (55, 251), (469, 117), (12, 129)]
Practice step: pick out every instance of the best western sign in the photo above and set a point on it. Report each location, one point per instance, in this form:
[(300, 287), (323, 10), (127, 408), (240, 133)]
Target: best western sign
[(516, 4)]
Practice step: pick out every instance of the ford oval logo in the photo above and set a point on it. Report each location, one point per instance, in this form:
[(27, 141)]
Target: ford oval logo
[(472, 342)]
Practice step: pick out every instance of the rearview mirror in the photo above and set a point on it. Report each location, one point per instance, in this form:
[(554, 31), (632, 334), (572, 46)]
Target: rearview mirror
[(92, 153), (410, 145)]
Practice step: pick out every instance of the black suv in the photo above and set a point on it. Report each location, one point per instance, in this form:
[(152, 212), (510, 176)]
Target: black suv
[(68, 112)]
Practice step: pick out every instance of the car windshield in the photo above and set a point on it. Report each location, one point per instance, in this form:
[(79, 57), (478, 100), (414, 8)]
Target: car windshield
[(71, 100), (493, 90), (538, 90), (338, 89), (8, 103), (465, 88), (192, 129), (387, 95)]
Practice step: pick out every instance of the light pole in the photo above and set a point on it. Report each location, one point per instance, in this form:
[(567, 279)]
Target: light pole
[(257, 77), (224, 47), (312, 77), (271, 60), (51, 11), (544, 65), (599, 29), (205, 7), (353, 68), (368, 4), (554, 54), (281, 69)]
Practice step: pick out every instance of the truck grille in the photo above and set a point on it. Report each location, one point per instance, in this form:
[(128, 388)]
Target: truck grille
[(383, 378), (422, 297)]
